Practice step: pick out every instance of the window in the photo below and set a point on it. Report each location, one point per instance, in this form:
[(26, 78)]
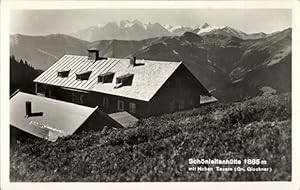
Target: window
[(40, 89), (106, 77), (124, 80), (120, 105), (63, 74), (132, 107), (105, 102), (77, 98), (48, 93), (84, 75)]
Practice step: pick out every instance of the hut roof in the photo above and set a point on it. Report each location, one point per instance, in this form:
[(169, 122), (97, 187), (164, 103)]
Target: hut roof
[(148, 76)]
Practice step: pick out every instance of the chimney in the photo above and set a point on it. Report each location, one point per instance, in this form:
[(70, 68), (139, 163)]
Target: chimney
[(133, 61), (93, 54), (28, 108)]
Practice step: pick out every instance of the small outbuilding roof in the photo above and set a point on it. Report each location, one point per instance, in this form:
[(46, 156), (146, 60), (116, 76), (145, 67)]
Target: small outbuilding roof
[(124, 118), (207, 99), (56, 118), (148, 76)]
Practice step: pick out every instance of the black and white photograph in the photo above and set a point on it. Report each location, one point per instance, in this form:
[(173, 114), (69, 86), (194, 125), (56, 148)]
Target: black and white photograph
[(150, 95)]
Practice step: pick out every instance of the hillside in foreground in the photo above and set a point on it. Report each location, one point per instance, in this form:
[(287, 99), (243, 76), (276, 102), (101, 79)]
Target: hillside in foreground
[(158, 148)]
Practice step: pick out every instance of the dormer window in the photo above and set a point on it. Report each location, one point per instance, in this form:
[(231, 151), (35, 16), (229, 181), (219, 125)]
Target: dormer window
[(83, 75), (106, 77), (63, 73), (124, 80)]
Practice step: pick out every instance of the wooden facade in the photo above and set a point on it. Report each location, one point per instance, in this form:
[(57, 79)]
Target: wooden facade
[(181, 91)]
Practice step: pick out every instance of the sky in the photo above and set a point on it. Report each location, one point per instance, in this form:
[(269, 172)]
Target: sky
[(43, 22)]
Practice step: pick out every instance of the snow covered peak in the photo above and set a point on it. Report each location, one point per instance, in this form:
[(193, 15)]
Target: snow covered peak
[(173, 28), (125, 24), (205, 25), (167, 26), (128, 24), (178, 29), (207, 28)]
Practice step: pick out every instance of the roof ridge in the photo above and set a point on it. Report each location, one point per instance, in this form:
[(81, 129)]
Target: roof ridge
[(121, 58)]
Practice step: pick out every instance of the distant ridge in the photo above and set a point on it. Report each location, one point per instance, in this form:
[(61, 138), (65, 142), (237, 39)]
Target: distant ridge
[(136, 30)]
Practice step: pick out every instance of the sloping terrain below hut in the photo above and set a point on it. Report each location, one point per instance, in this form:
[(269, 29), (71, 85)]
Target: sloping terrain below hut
[(158, 148)]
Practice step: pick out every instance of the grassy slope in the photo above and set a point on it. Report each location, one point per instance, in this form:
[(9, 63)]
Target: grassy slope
[(159, 148)]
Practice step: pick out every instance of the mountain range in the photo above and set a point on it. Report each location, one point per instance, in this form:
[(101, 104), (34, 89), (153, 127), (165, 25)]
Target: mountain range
[(136, 30), (124, 30), (206, 29), (229, 64)]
